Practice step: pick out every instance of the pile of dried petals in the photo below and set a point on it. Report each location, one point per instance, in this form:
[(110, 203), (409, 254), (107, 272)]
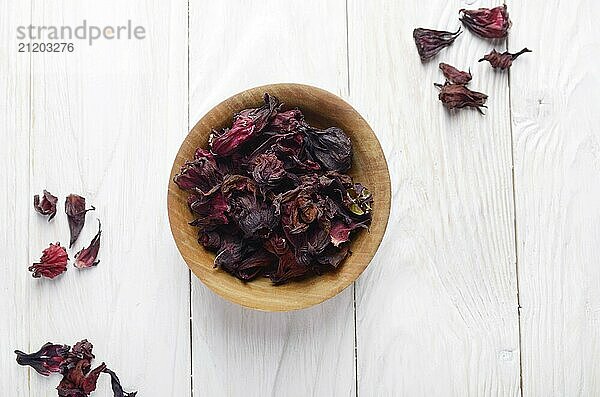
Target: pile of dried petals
[(54, 258), (79, 379), (271, 196), (488, 23)]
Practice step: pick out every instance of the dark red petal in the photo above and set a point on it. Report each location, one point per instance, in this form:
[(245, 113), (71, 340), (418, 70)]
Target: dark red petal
[(52, 263), (429, 42), (488, 23), (502, 60), (87, 257), (75, 210), (454, 75), (50, 358), (246, 125), (456, 96), (46, 205), (116, 385)]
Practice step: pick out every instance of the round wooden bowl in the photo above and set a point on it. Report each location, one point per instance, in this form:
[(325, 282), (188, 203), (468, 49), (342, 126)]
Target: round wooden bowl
[(321, 109)]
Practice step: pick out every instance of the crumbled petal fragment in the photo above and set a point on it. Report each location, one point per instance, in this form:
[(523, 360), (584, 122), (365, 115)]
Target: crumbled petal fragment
[(502, 60), (50, 358), (116, 385), (87, 257), (46, 205), (246, 124), (429, 42), (488, 23), (454, 75), (52, 263), (457, 96), (75, 210)]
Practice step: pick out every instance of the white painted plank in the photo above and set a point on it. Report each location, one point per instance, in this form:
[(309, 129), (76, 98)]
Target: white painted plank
[(106, 119), (555, 94), (437, 309), (236, 45), (15, 198)]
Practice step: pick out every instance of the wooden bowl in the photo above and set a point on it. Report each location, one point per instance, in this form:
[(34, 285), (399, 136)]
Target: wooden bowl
[(321, 109)]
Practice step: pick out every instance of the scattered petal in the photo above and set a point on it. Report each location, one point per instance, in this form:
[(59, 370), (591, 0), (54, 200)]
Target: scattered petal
[(456, 96), (46, 205), (50, 358), (502, 60), (487, 23), (75, 210), (454, 75), (87, 256), (429, 42), (52, 263)]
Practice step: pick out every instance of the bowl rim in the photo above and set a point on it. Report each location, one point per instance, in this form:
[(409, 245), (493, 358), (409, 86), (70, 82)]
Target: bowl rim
[(384, 206)]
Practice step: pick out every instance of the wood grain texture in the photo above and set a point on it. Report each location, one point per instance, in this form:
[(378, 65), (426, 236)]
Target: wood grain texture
[(15, 198), (235, 45), (106, 121), (555, 93), (322, 110), (437, 309)]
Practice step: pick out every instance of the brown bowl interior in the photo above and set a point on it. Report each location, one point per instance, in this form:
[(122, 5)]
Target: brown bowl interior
[(321, 109)]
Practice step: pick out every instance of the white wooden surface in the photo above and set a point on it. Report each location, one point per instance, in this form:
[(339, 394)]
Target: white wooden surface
[(436, 313)]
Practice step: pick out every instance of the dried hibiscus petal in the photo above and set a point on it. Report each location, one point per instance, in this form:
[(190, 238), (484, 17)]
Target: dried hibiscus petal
[(75, 209), (331, 148), (50, 358), (454, 75), (52, 263), (457, 96), (87, 256), (46, 205), (502, 60), (246, 124), (80, 381), (488, 23), (429, 42), (116, 385)]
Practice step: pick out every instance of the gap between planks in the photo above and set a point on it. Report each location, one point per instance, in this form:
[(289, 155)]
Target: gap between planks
[(514, 197)]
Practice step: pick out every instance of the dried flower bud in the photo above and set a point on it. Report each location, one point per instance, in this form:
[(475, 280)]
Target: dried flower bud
[(47, 205), (454, 75), (487, 23), (52, 263), (429, 42), (87, 256), (75, 209), (50, 358), (504, 60), (456, 96)]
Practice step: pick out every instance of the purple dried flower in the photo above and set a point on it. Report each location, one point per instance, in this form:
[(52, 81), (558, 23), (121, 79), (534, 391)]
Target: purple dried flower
[(502, 60), (456, 96), (87, 256), (75, 210), (50, 358), (52, 263), (47, 204), (429, 42), (487, 23), (454, 75)]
